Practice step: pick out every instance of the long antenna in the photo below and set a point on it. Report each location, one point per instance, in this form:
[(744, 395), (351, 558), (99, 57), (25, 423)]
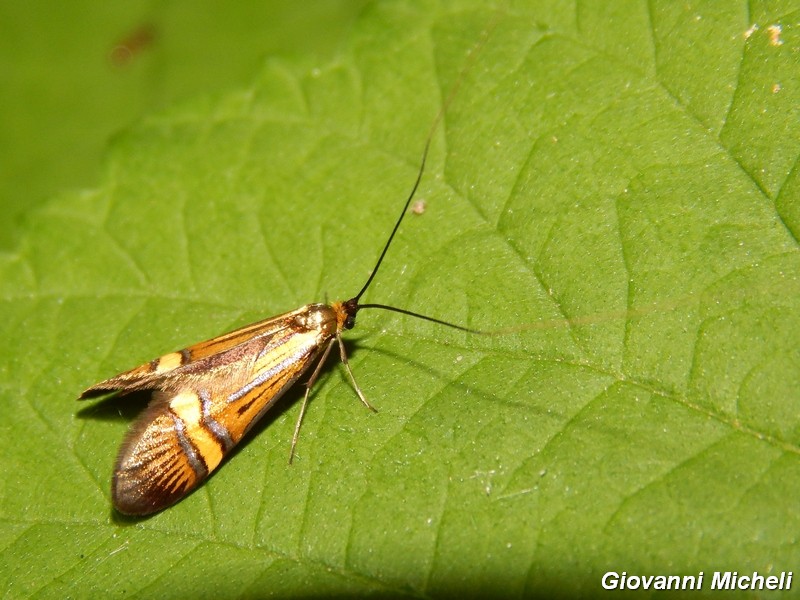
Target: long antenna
[(423, 317), (400, 220), (440, 115)]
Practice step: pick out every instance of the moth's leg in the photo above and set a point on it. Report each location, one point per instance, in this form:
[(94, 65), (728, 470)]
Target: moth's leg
[(311, 381), (343, 354)]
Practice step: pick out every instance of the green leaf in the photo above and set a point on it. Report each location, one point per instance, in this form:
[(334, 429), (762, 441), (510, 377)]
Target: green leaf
[(75, 73), (615, 194)]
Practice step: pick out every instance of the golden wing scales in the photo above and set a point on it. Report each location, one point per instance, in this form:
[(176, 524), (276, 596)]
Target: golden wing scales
[(206, 398), (148, 375), (153, 469)]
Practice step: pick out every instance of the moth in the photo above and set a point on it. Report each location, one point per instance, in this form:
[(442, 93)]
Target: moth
[(206, 397)]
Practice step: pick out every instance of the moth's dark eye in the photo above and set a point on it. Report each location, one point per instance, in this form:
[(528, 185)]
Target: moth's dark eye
[(350, 322)]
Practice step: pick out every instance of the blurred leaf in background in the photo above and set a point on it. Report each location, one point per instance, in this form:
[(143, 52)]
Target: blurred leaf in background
[(76, 73)]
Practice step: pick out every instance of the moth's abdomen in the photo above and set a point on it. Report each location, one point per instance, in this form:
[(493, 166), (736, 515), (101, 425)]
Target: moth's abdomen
[(170, 451)]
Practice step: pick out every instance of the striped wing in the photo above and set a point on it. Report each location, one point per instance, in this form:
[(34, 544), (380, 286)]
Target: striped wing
[(206, 398), (212, 354)]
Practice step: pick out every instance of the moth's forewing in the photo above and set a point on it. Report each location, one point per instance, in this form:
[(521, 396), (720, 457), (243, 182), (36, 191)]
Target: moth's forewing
[(196, 358), (206, 398)]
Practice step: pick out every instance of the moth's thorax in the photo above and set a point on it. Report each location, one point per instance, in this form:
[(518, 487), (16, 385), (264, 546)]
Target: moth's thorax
[(319, 317)]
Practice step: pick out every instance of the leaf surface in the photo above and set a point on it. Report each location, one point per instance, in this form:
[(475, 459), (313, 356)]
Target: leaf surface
[(615, 195)]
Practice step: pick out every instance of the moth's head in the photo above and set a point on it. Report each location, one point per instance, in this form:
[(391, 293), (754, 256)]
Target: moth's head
[(346, 313)]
